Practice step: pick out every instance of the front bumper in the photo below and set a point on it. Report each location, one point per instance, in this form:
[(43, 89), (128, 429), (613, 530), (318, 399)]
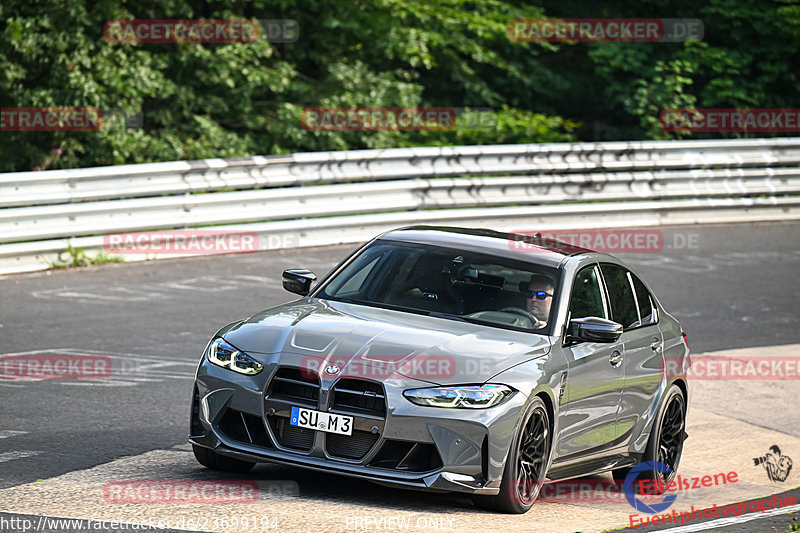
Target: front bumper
[(397, 443)]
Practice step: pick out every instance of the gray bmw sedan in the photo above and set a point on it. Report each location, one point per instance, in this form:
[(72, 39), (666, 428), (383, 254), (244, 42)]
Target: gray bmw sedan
[(447, 359)]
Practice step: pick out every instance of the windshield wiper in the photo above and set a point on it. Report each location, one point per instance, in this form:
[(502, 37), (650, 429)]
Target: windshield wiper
[(436, 314), (380, 305), (497, 325)]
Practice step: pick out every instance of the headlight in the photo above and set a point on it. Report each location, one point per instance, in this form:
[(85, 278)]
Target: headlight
[(467, 396), (223, 354)]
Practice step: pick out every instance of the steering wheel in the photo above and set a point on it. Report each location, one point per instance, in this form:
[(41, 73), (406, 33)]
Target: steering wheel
[(522, 312)]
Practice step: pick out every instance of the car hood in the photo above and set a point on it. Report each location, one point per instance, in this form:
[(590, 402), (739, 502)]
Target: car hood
[(350, 340)]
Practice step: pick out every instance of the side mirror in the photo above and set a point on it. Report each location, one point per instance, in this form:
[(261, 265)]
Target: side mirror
[(298, 281), (594, 329)]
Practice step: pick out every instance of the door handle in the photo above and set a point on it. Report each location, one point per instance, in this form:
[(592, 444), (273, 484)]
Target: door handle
[(655, 346), (615, 359)]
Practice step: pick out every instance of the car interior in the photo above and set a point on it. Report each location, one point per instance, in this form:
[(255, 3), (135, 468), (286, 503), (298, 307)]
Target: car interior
[(441, 282)]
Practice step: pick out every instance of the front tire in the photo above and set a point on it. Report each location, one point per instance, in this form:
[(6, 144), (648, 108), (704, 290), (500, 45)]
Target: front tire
[(526, 464), (213, 460)]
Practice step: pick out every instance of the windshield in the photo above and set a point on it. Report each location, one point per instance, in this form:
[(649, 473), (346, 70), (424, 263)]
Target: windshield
[(449, 283)]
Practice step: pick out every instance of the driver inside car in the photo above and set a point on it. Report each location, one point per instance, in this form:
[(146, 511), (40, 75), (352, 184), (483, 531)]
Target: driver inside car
[(539, 298)]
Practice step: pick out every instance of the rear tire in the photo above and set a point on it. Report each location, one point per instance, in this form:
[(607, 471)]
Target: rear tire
[(666, 440), (524, 472), (213, 460)]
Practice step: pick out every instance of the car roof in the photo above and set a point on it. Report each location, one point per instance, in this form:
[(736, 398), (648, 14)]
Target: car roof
[(519, 246)]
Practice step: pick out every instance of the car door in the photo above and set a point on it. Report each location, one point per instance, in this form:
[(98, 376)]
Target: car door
[(632, 306), (595, 378)]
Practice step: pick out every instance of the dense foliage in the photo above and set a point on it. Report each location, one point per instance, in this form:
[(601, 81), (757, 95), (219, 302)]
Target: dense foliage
[(231, 100)]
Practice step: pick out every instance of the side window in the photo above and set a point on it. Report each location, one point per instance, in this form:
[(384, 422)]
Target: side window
[(586, 298), (645, 302), (620, 295)]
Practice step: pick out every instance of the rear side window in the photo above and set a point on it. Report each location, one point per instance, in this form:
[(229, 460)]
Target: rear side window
[(620, 295), (646, 308), (586, 298)]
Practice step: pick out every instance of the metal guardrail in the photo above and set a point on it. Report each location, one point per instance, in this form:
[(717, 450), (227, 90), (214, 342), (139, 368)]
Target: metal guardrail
[(543, 184), (66, 186)]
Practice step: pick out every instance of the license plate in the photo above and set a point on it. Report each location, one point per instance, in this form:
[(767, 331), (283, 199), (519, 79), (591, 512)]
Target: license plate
[(309, 418)]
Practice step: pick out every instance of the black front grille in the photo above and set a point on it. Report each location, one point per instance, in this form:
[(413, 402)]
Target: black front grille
[(359, 396), (290, 436), (244, 427), (353, 446), (293, 384), (355, 397)]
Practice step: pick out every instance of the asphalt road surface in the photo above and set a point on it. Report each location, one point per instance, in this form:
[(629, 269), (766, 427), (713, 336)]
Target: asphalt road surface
[(731, 286)]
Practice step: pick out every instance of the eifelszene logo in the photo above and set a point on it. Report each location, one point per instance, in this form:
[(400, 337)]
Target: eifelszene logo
[(777, 466), (630, 493)]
